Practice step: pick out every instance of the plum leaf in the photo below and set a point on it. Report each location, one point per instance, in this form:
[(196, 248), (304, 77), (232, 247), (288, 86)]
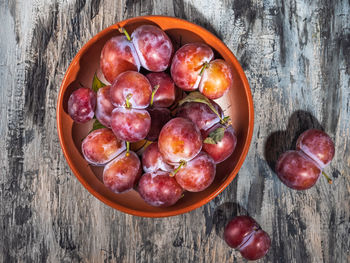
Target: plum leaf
[(97, 83), (196, 96), (215, 136)]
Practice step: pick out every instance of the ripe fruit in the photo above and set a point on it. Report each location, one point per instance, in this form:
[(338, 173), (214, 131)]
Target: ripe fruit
[(81, 105), (159, 189), (257, 246), (104, 106), (191, 69), (131, 85), (153, 47), (317, 145), (121, 174), (179, 140), (152, 160), (197, 174), (300, 169), (216, 79), (187, 64), (118, 55), (238, 229), (159, 117), (244, 234), (101, 146), (130, 125), (200, 114), (164, 96), (222, 149), (296, 170)]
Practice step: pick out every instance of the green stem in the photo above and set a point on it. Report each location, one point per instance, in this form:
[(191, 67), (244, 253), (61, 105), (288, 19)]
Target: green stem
[(206, 64), (123, 31), (226, 121), (216, 112), (127, 102), (327, 177), (182, 163), (156, 87), (127, 148)]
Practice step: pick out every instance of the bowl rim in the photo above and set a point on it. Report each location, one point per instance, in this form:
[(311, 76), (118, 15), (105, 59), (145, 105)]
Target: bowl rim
[(158, 214)]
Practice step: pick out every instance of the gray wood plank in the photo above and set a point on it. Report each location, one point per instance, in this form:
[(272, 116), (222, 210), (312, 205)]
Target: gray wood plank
[(296, 57)]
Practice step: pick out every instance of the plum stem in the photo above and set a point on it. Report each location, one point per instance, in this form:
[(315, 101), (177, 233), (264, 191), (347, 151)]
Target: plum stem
[(330, 181), (123, 31), (222, 121), (127, 101), (206, 64), (127, 148), (182, 163), (156, 87), (226, 121)]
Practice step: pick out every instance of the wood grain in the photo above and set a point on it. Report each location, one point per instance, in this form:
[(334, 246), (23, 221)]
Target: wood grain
[(296, 57)]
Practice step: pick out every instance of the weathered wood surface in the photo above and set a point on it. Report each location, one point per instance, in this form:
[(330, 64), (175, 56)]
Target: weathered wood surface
[(296, 57)]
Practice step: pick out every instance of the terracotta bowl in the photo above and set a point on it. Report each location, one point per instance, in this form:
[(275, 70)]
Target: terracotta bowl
[(237, 102)]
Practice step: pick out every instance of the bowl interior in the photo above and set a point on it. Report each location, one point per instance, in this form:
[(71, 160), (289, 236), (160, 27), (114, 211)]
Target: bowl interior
[(237, 103)]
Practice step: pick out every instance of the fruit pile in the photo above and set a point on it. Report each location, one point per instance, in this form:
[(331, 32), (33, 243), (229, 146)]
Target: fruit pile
[(183, 133)]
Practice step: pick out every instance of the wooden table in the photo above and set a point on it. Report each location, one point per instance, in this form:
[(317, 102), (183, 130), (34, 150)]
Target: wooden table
[(296, 57)]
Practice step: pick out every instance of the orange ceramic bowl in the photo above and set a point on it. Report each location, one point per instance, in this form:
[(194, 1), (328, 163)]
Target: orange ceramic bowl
[(237, 102)]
